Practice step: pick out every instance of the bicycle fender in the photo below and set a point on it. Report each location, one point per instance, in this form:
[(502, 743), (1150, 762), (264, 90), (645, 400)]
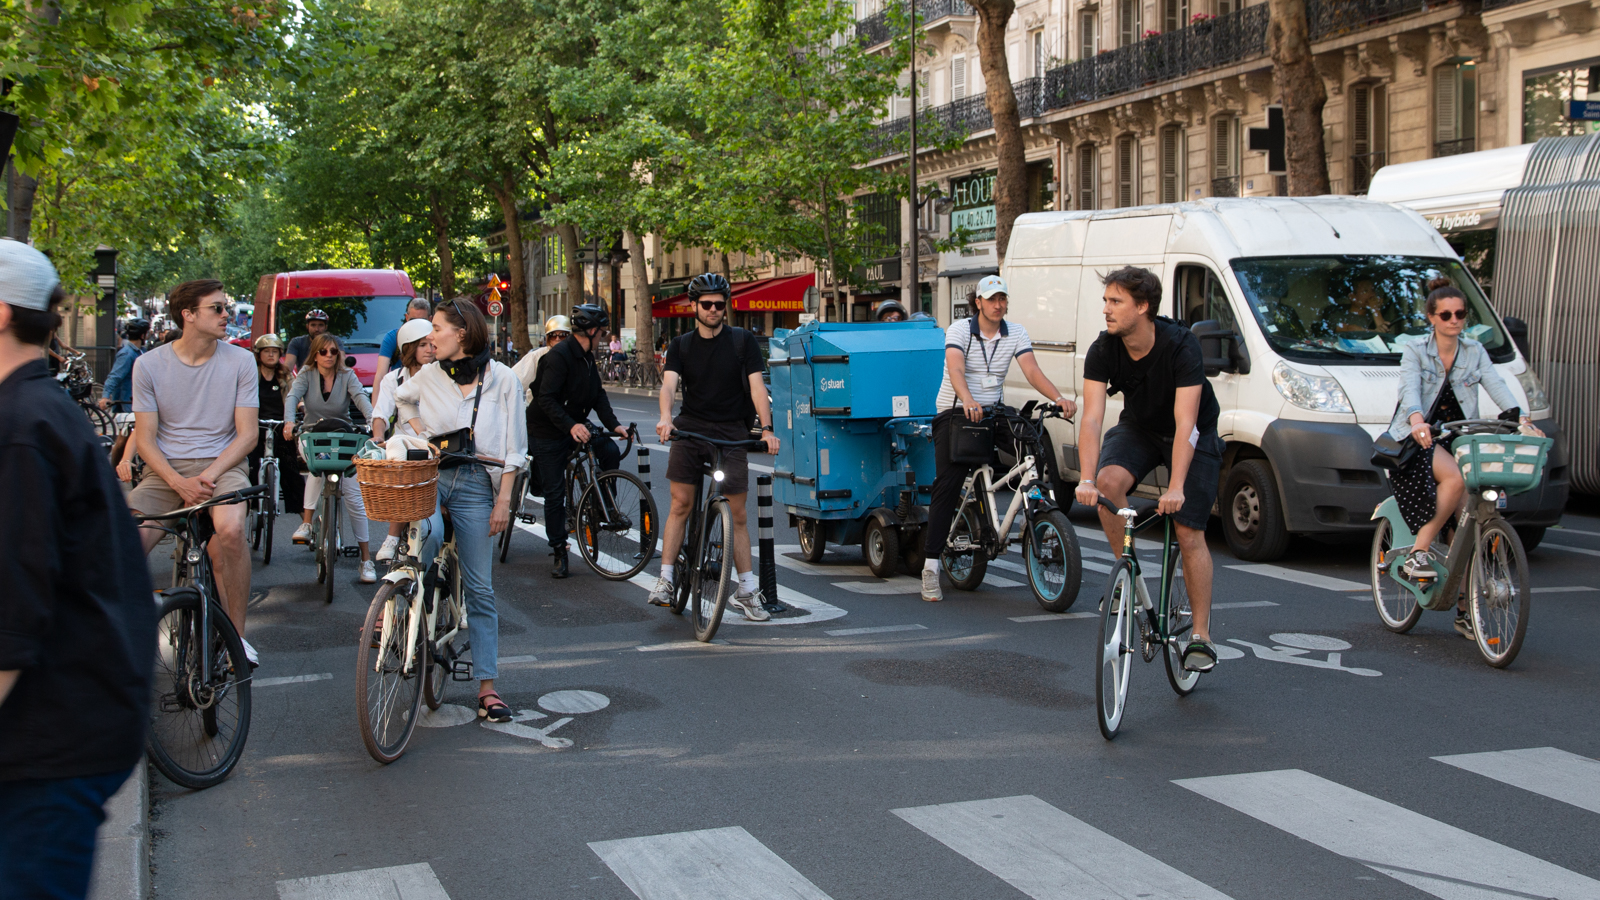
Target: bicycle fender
[(398, 575), (1390, 509)]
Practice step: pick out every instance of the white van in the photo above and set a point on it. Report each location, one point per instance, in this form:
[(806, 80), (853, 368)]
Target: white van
[(1263, 281)]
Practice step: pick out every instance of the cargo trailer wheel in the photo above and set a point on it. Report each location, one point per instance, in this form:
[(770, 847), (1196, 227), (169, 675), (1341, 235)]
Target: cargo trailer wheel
[(812, 543), (1252, 514), (881, 546)]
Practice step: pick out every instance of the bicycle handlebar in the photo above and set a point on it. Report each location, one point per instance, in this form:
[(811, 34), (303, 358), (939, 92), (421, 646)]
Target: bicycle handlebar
[(232, 497), (747, 444)]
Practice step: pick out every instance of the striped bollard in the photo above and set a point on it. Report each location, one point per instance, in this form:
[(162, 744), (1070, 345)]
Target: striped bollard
[(647, 528), (769, 558)]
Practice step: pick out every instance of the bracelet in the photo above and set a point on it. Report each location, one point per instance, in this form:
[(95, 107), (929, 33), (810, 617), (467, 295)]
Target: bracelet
[(1086, 481)]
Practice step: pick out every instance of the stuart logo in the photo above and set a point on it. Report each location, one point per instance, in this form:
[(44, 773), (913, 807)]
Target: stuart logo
[(803, 408), (829, 384)]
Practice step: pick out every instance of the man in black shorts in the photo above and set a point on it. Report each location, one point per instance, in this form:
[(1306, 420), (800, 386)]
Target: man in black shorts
[(720, 367), (1169, 417)]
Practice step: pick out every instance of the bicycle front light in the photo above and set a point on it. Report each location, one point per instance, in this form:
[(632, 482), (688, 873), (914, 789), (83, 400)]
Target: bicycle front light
[(193, 556), (1318, 393), (717, 476), (333, 479)]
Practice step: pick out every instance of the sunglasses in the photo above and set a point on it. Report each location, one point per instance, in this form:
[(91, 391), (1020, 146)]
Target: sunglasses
[(217, 308), (1446, 314), (713, 304), (328, 351)]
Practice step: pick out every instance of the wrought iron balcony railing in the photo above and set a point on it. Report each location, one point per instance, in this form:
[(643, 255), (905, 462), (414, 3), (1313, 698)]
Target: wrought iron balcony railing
[(966, 116), (1331, 18), (1496, 4), (1225, 187), (876, 29), (1362, 167)]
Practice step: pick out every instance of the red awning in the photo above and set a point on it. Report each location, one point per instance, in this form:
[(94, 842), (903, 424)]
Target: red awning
[(678, 307), (773, 294)]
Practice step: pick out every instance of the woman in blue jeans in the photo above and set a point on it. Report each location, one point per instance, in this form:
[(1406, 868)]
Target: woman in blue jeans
[(465, 388)]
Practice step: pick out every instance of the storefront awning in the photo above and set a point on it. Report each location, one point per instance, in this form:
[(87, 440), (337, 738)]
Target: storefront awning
[(787, 294), (679, 307)]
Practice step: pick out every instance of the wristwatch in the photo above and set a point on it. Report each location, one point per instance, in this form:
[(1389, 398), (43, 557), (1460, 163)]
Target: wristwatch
[(766, 428)]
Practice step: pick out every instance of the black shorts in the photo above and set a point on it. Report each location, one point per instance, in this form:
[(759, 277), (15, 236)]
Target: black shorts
[(688, 459), (1141, 452)]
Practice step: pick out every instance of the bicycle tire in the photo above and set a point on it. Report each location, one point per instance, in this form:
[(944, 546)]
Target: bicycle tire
[(685, 578), (330, 543), (438, 677), (1114, 668), (1178, 626), (257, 523), (1398, 609), (614, 502), (269, 504), (1054, 561), (713, 575), (518, 490), (1498, 594), (966, 569), (387, 711), (103, 423), (191, 748)]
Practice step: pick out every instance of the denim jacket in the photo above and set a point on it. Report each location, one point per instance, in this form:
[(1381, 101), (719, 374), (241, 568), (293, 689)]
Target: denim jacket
[(119, 384), (1422, 378)]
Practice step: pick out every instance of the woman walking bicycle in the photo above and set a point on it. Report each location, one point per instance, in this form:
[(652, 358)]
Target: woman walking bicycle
[(466, 402), (329, 389)]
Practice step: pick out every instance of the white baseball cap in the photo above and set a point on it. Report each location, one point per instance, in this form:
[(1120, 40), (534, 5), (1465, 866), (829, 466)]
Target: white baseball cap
[(414, 330), (26, 276), (991, 285)]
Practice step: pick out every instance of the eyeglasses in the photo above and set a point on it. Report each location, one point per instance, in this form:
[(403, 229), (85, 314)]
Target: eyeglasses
[(217, 308), (713, 304), (1446, 314), (328, 351)]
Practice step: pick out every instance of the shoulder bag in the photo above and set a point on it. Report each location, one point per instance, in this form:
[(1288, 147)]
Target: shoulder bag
[(461, 440), (971, 443)]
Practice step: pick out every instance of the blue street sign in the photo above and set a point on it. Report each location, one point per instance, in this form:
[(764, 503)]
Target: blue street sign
[(1583, 110)]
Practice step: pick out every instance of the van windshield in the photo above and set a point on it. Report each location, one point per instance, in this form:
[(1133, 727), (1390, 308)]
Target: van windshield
[(358, 322), (1329, 308)]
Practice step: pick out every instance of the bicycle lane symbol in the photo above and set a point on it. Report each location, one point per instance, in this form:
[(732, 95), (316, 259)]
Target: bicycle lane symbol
[(1292, 647), (565, 704)]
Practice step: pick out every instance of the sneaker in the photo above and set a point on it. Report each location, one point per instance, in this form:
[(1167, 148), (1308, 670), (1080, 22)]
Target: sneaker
[(369, 572), (1418, 565), (302, 535), (662, 594), (750, 605), (930, 587), (250, 654), (1464, 626), (391, 545), (1199, 656)]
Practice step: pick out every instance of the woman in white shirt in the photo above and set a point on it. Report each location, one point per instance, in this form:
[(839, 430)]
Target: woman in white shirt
[(465, 388), (415, 351)]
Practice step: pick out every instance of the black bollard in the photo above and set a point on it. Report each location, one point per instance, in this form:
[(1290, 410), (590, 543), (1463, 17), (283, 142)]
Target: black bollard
[(647, 528), (769, 558)]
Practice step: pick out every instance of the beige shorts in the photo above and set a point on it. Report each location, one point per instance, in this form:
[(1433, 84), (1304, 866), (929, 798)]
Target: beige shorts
[(153, 496)]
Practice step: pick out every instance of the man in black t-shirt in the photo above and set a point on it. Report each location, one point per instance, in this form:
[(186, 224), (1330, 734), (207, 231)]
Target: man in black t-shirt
[(1169, 417), (720, 368)]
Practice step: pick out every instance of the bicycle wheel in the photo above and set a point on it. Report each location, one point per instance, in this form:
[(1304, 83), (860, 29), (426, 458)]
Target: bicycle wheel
[(965, 567), (269, 507), (685, 580), (1498, 594), (197, 729), (1055, 564), (713, 577), (1180, 624), (388, 685), (617, 525), (103, 423), (1397, 606), (518, 489), (437, 673), (257, 523), (330, 544), (1117, 648)]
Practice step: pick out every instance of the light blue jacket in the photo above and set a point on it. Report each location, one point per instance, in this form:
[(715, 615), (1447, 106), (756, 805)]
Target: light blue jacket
[(119, 384), (1422, 378)]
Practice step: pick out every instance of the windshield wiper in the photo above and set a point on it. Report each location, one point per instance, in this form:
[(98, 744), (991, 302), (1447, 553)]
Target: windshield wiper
[(1339, 350)]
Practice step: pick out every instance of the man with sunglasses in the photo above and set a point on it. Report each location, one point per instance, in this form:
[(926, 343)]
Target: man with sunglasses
[(300, 347), (195, 408), (720, 368)]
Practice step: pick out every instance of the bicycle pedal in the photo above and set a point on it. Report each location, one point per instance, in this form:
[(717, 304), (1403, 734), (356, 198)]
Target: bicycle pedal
[(350, 551), (460, 670), (526, 518)]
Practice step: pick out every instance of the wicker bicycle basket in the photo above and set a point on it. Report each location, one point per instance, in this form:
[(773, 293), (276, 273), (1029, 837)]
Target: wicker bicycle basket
[(398, 490)]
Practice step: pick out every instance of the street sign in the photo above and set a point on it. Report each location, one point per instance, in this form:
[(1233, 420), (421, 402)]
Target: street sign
[(1583, 110), (1270, 140), (496, 308)]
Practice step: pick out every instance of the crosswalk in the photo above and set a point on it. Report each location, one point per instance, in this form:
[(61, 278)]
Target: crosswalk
[(1047, 854)]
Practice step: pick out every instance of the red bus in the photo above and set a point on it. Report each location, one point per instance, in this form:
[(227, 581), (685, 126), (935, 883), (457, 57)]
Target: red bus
[(362, 306)]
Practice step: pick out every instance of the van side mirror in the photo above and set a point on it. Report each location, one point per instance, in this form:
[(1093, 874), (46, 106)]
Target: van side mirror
[(1220, 350), (1518, 330)]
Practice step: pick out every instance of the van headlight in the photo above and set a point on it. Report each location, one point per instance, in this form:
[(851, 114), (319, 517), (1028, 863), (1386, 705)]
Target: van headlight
[(1534, 388), (1314, 392)]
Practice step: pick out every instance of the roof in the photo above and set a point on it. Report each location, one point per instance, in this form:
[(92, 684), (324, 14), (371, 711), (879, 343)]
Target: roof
[(319, 283)]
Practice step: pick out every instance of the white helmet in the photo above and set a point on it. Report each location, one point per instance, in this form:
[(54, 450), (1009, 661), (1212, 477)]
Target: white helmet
[(413, 331), (557, 323)]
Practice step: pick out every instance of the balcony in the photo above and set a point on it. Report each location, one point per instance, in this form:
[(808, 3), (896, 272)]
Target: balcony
[(1497, 4), (876, 29), (1225, 187), (1362, 167), (966, 116), (1332, 18)]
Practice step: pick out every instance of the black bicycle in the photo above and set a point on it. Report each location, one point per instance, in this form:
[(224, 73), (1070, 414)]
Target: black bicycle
[(200, 704), (264, 510), (705, 558)]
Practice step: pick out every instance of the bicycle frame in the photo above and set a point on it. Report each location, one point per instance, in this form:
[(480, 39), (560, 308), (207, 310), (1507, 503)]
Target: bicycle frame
[(410, 567), (1440, 594), (1022, 473), (1157, 613), (269, 467)]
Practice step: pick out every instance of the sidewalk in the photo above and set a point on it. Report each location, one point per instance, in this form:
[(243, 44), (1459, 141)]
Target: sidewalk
[(122, 850)]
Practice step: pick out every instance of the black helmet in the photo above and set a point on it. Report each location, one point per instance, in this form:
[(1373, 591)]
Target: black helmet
[(889, 306), (709, 283), (136, 329), (589, 315), (316, 315)]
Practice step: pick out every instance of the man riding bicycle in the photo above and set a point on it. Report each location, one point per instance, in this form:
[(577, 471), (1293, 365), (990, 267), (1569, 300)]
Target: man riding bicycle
[(1157, 367), (565, 391), (981, 384), (299, 353)]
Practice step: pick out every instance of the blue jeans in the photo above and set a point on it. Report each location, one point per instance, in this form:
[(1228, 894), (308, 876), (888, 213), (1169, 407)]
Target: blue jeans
[(549, 468), (47, 830), (465, 491)]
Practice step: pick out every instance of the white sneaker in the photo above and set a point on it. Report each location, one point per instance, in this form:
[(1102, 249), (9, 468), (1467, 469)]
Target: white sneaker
[(250, 654), (391, 544), (302, 535), (750, 604), (369, 572), (930, 587), (662, 594)]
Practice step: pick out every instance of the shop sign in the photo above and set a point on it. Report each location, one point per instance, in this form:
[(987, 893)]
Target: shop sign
[(972, 206)]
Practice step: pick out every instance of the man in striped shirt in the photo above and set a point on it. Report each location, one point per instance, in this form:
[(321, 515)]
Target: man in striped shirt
[(980, 351)]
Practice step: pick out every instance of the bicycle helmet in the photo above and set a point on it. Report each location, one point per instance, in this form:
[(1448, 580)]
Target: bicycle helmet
[(589, 315), (890, 306), (413, 331), (316, 315), (557, 323), (268, 341), (709, 283), (136, 329)]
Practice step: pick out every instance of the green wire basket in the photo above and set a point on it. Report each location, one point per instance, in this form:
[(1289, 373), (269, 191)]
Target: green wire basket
[(330, 452), (1510, 462)]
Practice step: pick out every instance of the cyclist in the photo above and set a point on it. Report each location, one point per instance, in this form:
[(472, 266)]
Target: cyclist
[(272, 385), (464, 390), (298, 354), (329, 389), (981, 384), (1169, 417), (416, 350), (566, 390), (195, 419), (418, 309), (720, 368), (556, 330), (890, 311), (119, 384)]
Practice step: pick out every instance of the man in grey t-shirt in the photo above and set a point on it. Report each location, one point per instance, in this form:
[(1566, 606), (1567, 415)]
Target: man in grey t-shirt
[(195, 411)]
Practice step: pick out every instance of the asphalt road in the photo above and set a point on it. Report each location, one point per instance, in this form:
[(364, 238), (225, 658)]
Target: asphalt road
[(882, 747)]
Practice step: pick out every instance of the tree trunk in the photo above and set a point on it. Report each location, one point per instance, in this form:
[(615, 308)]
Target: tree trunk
[(505, 191), (1011, 177), (23, 189), (569, 248), (1303, 97), (644, 330), (440, 218), (827, 237)]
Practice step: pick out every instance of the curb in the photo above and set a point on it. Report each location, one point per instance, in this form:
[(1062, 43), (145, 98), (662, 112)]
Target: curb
[(122, 845)]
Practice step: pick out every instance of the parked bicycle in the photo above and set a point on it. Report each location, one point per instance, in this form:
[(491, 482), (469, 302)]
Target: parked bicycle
[(704, 567), (79, 383), (1485, 552), (200, 706), (328, 453), (264, 510), (1052, 559)]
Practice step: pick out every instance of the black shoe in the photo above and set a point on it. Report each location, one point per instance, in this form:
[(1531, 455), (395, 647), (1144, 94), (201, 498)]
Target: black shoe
[(559, 568)]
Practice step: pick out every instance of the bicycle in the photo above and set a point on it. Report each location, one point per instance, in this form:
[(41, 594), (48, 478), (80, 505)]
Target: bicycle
[(413, 632), (265, 511), (1054, 562), (705, 559), (200, 705), (1486, 552), (79, 384), (328, 453), (1164, 625)]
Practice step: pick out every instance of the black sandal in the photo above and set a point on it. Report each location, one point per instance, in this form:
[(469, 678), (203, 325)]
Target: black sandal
[(1199, 656), (496, 711)]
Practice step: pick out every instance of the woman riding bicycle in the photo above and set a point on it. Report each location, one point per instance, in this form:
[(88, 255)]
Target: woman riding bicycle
[(464, 390), (416, 350), (556, 330), (329, 389), (1439, 378), (272, 386)]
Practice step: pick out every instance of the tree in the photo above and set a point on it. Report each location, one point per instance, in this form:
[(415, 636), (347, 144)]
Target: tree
[(1304, 96), (1011, 165)]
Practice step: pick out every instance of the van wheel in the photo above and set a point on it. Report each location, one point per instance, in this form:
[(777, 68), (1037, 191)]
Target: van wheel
[(1252, 514)]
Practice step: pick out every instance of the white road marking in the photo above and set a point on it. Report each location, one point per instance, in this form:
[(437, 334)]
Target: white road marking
[(1296, 656), (290, 679), (1310, 579), (1310, 641), (1053, 617), (573, 702), (1049, 855), (811, 568), (1546, 771), (1566, 549), (413, 882), (1021, 569), (678, 645), (1226, 652), (448, 715), (1562, 590), (890, 587), (516, 728), (516, 660), (1562, 529), (715, 864), (876, 629), (1429, 855), (1244, 604)]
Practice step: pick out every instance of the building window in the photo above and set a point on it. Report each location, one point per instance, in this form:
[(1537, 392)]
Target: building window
[(958, 78), (1173, 143), (1369, 133), (1225, 156), (1130, 21), (1455, 108), (1128, 170), (1036, 42), (1088, 34), (1545, 96), (1174, 14), (928, 219), (1224, 7), (880, 213), (1088, 176)]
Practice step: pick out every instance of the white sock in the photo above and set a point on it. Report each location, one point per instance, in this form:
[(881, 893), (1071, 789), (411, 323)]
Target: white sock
[(747, 582), (931, 564), (666, 572)]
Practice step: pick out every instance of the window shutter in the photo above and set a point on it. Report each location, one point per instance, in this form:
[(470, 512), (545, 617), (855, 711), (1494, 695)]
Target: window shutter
[(1360, 119), (1170, 140), (1087, 176), (1125, 171), (1220, 157), (1446, 104), (1038, 54), (958, 78), (1224, 7)]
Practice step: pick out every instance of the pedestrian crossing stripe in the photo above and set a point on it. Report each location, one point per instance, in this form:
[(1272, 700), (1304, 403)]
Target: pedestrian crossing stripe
[(1546, 771), (413, 882), (714, 864)]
